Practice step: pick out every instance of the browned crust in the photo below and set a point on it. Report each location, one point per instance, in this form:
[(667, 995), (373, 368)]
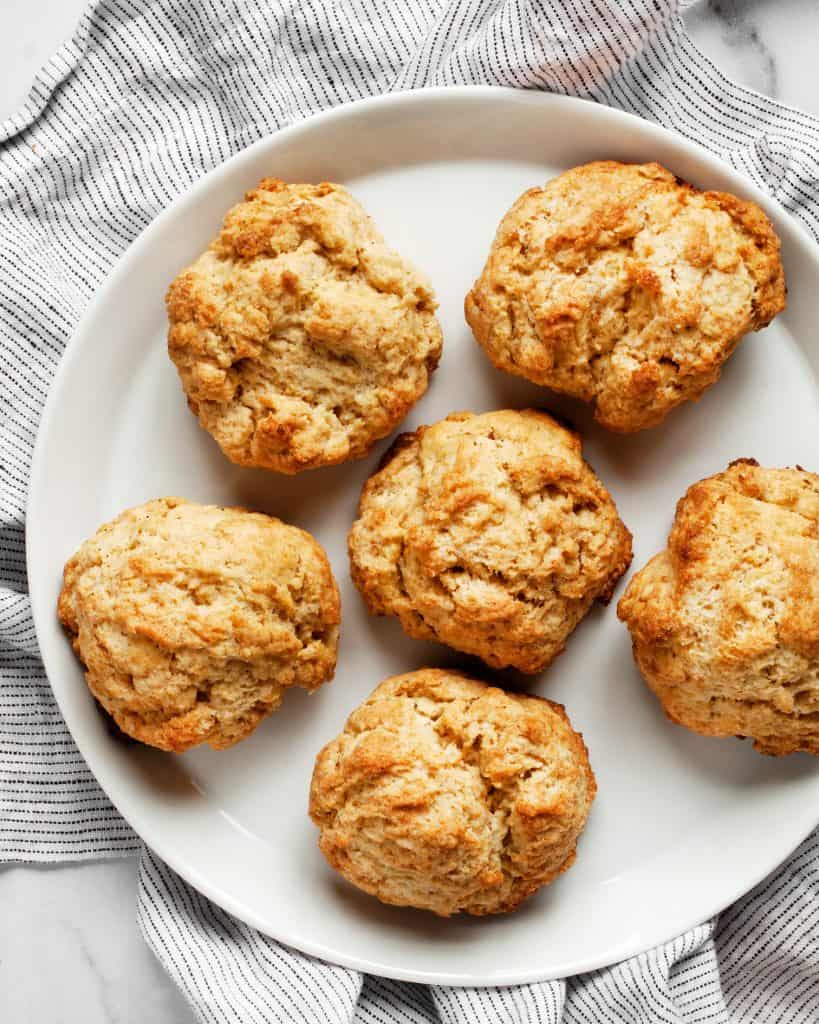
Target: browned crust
[(445, 794), (762, 255), (725, 622), (413, 551), (300, 339), (186, 643), (574, 295)]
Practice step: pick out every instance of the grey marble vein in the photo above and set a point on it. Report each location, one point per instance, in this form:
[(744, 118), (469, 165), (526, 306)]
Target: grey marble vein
[(103, 984), (739, 28)]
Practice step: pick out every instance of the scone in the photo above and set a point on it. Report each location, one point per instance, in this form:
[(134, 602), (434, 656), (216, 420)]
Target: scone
[(625, 287), (193, 620), (299, 337), (488, 533), (449, 795), (725, 621)]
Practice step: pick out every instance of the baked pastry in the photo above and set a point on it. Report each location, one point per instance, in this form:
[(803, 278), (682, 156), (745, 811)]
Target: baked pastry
[(450, 795), (193, 620), (299, 337), (725, 621), (488, 533), (625, 287)]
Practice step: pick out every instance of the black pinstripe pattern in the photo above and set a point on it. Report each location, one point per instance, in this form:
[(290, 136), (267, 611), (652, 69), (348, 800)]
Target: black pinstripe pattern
[(144, 100), (758, 963)]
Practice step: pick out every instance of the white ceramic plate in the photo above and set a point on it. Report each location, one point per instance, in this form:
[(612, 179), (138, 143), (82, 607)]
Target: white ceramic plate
[(682, 825)]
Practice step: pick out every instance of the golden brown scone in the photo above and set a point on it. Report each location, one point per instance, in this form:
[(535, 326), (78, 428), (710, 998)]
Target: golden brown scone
[(625, 287), (300, 338), (450, 795), (192, 620), (488, 533), (725, 621)]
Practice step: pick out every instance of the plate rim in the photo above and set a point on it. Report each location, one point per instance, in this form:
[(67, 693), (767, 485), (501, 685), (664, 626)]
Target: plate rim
[(786, 224)]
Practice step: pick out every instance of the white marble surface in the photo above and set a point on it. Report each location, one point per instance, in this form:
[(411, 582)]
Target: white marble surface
[(70, 950), (769, 45)]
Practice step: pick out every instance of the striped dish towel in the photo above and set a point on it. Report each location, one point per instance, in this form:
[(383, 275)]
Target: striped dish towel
[(146, 98)]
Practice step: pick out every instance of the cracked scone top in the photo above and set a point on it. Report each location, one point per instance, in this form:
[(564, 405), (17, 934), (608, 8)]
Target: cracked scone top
[(725, 622), (299, 337), (449, 795), (624, 287), (488, 533), (193, 620)]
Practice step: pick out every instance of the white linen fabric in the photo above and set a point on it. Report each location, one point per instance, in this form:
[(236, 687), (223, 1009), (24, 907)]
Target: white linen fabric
[(146, 98)]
